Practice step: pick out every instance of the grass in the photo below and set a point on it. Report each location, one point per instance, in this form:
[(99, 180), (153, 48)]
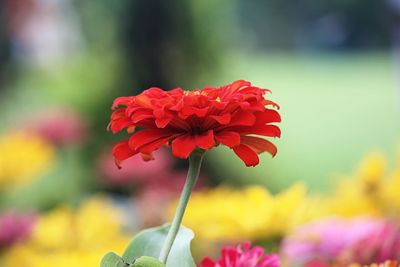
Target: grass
[(335, 110)]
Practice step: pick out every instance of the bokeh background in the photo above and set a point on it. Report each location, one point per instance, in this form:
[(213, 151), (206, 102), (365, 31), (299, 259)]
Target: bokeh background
[(333, 66)]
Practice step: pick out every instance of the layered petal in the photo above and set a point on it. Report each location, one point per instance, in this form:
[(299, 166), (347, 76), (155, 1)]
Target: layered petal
[(243, 119), (122, 100), (140, 115), (222, 119), (122, 151), (205, 141), (150, 147), (259, 145), (119, 121), (228, 138), (261, 129), (247, 155), (148, 136), (198, 119), (268, 116), (183, 145)]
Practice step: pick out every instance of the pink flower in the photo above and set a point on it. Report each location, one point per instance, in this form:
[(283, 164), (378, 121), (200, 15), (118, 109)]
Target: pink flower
[(381, 244), (317, 263), (14, 228), (340, 242), (60, 126), (243, 256)]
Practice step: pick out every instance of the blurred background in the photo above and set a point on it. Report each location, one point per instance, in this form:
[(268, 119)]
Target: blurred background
[(333, 66)]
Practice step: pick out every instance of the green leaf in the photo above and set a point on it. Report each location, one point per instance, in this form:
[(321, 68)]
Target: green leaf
[(112, 260), (150, 241), (146, 261)]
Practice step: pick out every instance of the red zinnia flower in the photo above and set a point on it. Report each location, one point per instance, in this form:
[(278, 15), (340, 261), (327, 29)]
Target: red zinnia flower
[(186, 120), (243, 256)]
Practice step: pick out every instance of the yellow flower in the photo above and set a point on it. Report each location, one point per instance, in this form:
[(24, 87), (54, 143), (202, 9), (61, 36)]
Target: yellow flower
[(23, 158), (372, 169), (67, 237), (223, 213), (371, 191), (287, 205), (226, 214), (360, 194), (391, 193)]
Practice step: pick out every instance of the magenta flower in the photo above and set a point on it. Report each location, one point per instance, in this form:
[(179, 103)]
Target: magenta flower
[(243, 256), (382, 244), (14, 228)]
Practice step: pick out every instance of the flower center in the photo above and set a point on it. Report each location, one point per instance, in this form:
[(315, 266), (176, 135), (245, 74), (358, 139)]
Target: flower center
[(197, 131)]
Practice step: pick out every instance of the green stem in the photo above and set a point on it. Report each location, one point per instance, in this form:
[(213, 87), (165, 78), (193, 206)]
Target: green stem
[(195, 160)]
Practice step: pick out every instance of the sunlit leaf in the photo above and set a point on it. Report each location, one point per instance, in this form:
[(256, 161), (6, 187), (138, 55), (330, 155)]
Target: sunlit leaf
[(149, 243), (112, 260), (146, 261)]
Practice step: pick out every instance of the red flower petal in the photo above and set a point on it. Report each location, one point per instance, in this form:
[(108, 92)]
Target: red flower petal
[(120, 124), (205, 141), (259, 145), (236, 85), (141, 114), (122, 100), (222, 119), (243, 119), (266, 130), (180, 124), (183, 145), (268, 116), (122, 151), (247, 155), (119, 121), (118, 114), (270, 103), (162, 122), (254, 106), (149, 148), (147, 157), (147, 136), (131, 129), (143, 100), (230, 139), (199, 112)]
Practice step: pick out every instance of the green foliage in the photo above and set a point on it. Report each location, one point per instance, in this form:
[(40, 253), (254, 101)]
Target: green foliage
[(146, 261), (112, 260), (150, 241)]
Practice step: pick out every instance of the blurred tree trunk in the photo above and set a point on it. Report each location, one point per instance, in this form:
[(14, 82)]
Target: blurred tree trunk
[(4, 45), (160, 42)]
